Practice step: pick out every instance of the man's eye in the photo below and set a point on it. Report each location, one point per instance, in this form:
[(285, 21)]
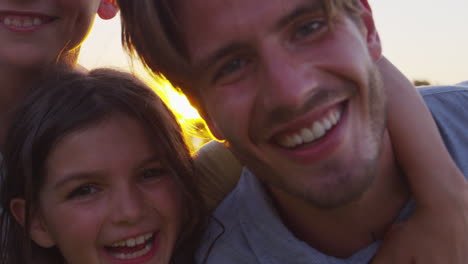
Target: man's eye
[(82, 191), (232, 67), (153, 173), (308, 28)]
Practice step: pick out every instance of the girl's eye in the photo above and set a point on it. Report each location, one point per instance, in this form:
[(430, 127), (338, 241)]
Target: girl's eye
[(82, 191), (152, 173), (309, 28)]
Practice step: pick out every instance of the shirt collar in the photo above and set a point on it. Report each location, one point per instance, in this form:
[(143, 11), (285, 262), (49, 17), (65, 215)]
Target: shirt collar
[(267, 236)]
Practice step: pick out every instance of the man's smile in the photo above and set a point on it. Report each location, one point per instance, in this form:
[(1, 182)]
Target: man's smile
[(313, 132), (317, 137)]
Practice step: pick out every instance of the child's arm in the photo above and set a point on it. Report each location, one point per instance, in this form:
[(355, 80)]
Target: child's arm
[(437, 232), (218, 170)]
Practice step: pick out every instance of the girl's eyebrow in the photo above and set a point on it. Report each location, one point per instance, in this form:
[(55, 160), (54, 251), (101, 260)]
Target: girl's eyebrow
[(154, 160), (154, 163), (78, 177), (93, 175)]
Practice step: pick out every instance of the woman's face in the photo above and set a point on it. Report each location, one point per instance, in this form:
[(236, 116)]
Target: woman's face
[(35, 33), (107, 198)]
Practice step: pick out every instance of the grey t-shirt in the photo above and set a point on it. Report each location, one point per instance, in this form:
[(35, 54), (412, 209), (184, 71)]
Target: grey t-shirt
[(252, 232)]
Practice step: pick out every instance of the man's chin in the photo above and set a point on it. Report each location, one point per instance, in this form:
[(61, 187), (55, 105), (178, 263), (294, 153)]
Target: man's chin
[(326, 190)]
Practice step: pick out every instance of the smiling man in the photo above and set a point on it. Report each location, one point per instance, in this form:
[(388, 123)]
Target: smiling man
[(296, 88)]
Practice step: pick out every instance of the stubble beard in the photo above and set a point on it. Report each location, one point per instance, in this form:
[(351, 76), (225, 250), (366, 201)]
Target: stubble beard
[(337, 185)]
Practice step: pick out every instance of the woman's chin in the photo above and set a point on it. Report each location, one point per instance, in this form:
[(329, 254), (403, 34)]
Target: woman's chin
[(26, 59)]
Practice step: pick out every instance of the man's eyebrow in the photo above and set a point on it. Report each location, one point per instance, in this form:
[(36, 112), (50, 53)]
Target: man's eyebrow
[(305, 8), (210, 59), (218, 54)]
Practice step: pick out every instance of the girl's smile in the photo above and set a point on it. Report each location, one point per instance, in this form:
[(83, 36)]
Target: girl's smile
[(138, 249), (108, 197)]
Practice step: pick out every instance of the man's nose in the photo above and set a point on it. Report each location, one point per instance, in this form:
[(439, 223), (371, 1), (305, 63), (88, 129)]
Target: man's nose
[(129, 206), (286, 79)]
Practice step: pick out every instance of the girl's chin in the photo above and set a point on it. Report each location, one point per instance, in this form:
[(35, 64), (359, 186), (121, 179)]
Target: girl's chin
[(27, 59)]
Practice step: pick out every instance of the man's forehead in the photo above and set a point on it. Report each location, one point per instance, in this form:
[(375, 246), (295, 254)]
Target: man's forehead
[(211, 25)]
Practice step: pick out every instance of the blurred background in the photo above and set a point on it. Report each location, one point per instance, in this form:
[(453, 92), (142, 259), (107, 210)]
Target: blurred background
[(426, 39)]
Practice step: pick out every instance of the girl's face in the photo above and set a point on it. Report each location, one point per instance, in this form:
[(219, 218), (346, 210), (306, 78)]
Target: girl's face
[(107, 198), (35, 33)]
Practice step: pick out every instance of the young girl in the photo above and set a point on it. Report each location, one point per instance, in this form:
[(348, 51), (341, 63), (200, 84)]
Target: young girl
[(96, 171), (435, 181)]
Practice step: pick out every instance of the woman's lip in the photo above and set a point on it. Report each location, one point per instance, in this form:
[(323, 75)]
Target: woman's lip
[(24, 22), (44, 17), (24, 13)]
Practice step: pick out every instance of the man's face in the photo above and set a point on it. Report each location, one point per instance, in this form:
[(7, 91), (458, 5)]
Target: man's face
[(297, 98), (35, 33)]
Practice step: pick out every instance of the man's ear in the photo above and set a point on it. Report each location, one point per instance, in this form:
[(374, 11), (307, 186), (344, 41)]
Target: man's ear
[(107, 9), (38, 230), (372, 36)]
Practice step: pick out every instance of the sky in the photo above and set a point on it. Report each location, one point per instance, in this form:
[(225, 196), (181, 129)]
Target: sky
[(425, 39)]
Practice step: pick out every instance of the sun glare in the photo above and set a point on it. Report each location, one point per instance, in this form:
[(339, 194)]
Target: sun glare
[(179, 103), (194, 128)]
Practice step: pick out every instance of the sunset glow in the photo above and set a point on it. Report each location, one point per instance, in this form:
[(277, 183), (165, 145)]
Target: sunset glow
[(195, 131), (178, 103)]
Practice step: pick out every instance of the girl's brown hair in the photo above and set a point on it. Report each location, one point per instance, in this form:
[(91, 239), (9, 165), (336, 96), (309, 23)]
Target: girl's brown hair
[(69, 101)]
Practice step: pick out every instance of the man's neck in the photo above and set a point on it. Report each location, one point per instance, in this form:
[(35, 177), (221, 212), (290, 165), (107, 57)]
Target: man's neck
[(343, 231)]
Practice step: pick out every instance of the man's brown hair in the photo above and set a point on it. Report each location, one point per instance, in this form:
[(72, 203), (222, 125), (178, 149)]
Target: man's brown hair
[(150, 31)]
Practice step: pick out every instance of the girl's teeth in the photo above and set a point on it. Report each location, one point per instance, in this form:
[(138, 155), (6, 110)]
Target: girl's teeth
[(27, 22), (21, 21), (133, 255), (326, 124), (37, 21), (131, 242), (140, 240)]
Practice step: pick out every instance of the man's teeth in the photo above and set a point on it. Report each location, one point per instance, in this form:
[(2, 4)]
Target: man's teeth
[(308, 134), (22, 21), (131, 242), (133, 255)]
